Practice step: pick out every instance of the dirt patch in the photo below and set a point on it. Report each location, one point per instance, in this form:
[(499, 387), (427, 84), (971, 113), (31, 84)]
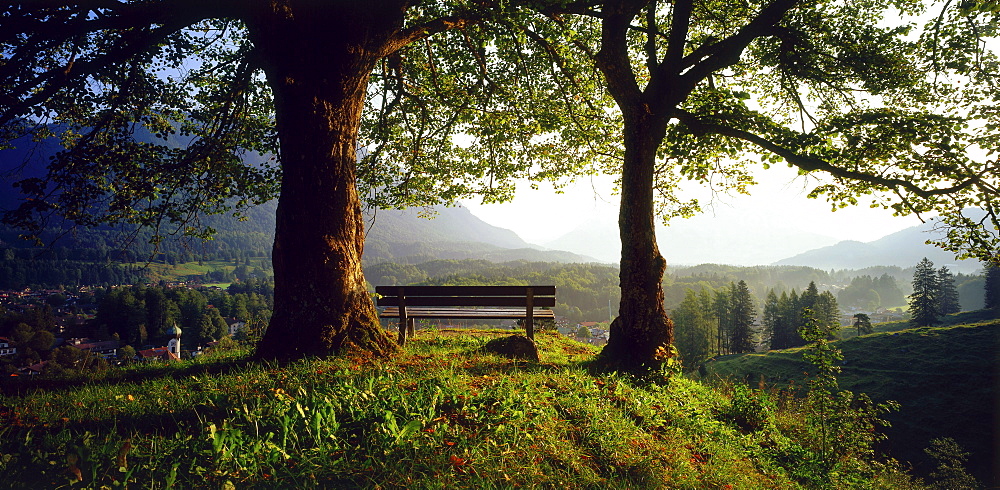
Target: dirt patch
[(513, 347)]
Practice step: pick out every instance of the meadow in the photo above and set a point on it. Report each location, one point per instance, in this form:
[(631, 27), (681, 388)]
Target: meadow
[(442, 414)]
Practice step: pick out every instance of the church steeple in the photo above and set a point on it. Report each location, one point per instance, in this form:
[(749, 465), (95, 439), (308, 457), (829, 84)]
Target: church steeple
[(174, 345)]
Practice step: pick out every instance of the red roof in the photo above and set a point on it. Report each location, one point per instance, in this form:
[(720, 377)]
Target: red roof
[(161, 353), (36, 367), (107, 344)]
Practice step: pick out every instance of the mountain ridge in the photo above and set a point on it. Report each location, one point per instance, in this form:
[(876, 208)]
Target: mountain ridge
[(903, 248), (403, 235), (688, 243)]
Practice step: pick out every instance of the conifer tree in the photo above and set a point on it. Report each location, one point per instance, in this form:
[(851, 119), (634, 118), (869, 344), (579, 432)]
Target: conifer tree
[(947, 293), (924, 301), (863, 324), (720, 308), (771, 318), (692, 330), (992, 287), (785, 332), (742, 316), (809, 297), (705, 299), (888, 291), (826, 310)]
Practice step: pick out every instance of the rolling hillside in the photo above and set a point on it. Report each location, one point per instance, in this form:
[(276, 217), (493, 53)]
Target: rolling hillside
[(944, 378)]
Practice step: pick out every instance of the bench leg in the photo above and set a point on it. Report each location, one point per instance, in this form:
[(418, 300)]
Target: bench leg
[(402, 332), (411, 326), (529, 316)]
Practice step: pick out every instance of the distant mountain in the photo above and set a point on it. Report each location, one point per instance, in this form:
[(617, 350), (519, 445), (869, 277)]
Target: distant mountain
[(904, 248), (697, 241), (438, 224), (409, 236), (414, 236)]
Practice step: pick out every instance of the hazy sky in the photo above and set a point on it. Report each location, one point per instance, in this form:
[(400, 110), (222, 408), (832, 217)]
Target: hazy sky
[(778, 202)]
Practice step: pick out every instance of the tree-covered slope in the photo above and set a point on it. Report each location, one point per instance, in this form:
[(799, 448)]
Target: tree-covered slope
[(405, 236)]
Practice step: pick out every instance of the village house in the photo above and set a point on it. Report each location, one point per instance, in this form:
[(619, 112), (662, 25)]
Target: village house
[(235, 325), (107, 349), (157, 354), (34, 369), (6, 349), (598, 335)]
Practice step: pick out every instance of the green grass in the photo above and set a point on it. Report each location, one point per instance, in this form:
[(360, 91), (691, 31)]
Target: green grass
[(439, 415), (963, 318), (185, 270), (944, 378)]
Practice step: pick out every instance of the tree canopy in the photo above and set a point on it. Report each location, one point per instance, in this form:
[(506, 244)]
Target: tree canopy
[(170, 109), (902, 116), (448, 99)]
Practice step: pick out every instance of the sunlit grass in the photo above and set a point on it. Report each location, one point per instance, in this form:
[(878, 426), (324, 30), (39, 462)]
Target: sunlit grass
[(439, 415)]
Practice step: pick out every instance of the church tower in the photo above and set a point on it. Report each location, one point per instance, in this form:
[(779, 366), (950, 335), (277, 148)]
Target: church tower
[(174, 345)]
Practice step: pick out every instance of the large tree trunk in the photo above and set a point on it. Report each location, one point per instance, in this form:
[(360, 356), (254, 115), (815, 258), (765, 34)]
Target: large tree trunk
[(642, 325), (317, 57)]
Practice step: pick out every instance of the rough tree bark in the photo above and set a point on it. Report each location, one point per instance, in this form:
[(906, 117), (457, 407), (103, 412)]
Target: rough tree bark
[(317, 57), (642, 325)]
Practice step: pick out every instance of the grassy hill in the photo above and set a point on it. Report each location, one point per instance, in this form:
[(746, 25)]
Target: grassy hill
[(944, 378), (441, 414)]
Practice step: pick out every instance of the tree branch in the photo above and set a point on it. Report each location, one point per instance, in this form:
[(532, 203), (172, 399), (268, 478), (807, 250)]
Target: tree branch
[(613, 57), (415, 33), (146, 26), (727, 52), (680, 22), (47, 84), (585, 8), (652, 60), (810, 163)]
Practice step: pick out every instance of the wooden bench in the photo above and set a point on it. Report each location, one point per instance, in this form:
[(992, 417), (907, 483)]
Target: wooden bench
[(466, 302)]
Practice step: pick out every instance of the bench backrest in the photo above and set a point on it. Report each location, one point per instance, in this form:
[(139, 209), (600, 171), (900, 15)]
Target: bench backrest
[(510, 296)]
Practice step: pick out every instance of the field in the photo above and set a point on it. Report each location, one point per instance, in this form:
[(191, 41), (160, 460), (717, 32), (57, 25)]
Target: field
[(186, 270), (441, 414)]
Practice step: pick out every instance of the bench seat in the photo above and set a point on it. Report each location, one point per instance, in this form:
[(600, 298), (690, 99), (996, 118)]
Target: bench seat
[(465, 302), (467, 313)]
